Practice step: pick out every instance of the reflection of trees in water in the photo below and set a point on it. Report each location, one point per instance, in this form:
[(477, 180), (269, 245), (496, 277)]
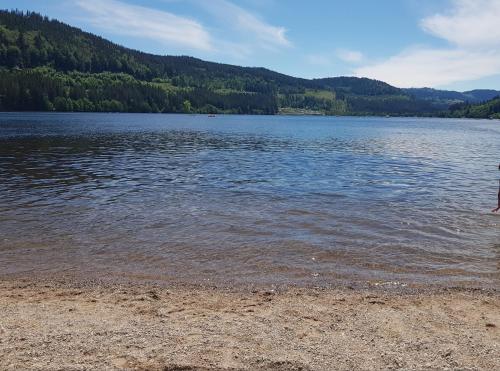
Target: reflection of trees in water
[(65, 161), (46, 162), (192, 157)]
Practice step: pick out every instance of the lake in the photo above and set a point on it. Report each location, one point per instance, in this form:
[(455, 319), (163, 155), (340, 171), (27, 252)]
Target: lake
[(250, 199)]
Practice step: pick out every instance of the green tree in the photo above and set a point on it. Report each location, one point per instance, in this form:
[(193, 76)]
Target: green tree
[(186, 106), (63, 104), (13, 56)]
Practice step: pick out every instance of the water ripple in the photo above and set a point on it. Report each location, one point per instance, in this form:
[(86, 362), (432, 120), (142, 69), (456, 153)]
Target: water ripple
[(250, 199)]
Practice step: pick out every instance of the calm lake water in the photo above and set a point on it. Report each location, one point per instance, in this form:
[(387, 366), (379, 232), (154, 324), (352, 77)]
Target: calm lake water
[(250, 200)]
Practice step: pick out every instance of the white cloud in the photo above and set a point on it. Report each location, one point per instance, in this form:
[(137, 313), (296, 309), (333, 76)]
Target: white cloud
[(350, 56), (248, 24), (472, 23), (132, 20), (420, 67), (328, 59), (318, 60), (471, 27)]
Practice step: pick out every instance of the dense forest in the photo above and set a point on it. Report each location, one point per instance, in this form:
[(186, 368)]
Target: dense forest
[(46, 65), (489, 109)]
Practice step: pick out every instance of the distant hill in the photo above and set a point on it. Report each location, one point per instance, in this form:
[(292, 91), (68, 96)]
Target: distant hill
[(49, 65), (450, 97), (481, 95), (480, 103), (486, 110)]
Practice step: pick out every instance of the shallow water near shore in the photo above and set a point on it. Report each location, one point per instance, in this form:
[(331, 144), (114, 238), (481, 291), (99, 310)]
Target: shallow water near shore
[(250, 200)]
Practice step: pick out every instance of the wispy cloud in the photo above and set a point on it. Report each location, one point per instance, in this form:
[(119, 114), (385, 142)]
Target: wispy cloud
[(241, 32), (471, 28), (350, 56), (248, 24), (329, 59), (318, 60), (125, 19)]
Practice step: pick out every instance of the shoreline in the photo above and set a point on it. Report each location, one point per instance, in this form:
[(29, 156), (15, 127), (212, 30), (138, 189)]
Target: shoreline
[(76, 324), (258, 115), (84, 279)]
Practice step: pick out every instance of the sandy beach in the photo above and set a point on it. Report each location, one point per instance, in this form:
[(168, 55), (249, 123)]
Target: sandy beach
[(68, 325)]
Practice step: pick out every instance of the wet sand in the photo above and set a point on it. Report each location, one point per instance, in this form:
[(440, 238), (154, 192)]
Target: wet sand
[(68, 325)]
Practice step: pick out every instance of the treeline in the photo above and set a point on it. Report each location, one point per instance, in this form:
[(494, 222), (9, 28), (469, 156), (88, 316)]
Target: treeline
[(400, 105), (346, 86), (44, 89), (486, 110), (321, 101)]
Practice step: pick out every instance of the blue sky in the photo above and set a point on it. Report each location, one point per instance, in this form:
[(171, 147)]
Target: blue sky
[(452, 44)]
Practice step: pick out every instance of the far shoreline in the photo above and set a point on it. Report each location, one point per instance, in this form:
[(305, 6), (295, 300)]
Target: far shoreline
[(319, 115)]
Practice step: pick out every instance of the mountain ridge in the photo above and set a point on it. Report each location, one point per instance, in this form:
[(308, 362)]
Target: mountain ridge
[(46, 64), (451, 96)]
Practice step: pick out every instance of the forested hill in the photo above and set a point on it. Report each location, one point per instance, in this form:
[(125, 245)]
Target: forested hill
[(48, 65), (448, 97), (489, 109)]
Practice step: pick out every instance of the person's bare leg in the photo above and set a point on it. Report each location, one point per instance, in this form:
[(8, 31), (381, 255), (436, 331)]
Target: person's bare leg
[(498, 208)]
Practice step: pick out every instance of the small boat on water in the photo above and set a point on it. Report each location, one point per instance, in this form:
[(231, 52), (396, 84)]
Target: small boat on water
[(212, 115)]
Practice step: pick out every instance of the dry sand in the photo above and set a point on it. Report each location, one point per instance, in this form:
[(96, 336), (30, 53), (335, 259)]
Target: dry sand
[(73, 326)]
